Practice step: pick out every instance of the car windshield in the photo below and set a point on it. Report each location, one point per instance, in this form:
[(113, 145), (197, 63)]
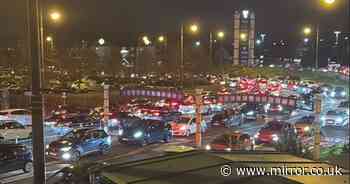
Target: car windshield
[(333, 113), (183, 120), (74, 134)]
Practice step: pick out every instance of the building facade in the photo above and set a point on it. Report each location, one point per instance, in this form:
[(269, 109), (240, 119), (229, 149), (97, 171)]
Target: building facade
[(244, 37)]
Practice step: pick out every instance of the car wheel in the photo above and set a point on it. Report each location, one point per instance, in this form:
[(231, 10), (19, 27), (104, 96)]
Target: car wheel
[(166, 139), (28, 167), (104, 149), (75, 156)]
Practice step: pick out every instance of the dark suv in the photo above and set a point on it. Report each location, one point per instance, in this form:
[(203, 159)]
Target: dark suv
[(79, 142), (15, 157), (144, 132)]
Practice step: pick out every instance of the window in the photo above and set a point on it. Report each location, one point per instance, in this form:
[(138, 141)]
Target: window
[(4, 113), (20, 112), (14, 125)]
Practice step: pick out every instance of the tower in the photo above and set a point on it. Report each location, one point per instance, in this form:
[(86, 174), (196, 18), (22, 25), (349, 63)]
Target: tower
[(244, 37)]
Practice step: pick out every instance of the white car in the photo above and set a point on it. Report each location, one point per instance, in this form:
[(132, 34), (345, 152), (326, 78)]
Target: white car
[(12, 129), (23, 116), (186, 126)]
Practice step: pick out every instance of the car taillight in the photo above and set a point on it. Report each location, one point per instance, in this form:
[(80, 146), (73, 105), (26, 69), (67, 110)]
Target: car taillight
[(174, 104), (183, 127), (156, 113)]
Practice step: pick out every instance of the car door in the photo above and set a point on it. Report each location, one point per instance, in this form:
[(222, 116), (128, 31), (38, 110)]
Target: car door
[(192, 126), (9, 131), (7, 160), (18, 130), (21, 116), (157, 131), (87, 142)]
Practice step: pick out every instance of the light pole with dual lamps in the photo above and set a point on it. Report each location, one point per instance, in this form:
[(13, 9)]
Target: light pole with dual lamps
[(193, 29)]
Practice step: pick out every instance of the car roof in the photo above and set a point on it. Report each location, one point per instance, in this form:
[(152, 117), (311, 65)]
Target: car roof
[(11, 110)]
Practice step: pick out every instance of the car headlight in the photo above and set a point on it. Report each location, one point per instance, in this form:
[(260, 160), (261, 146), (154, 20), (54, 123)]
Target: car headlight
[(275, 137), (66, 156), (207, 147), (323, 118), (137, 134), (120, 132), (338, 119), (228, 149), (65, 149), (250, 113), (183, 128), (307, 128), (47, 146), (343, 93), (333, 94)]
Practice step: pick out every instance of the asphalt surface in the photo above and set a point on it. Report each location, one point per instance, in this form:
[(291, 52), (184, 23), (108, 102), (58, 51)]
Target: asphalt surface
[(133, 152)]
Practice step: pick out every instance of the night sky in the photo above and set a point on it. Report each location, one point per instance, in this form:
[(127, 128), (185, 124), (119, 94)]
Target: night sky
[(120, 21)]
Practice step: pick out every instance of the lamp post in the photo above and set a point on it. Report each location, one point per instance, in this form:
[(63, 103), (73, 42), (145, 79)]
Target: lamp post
[(35, 34), (219, 35), (193, 28)]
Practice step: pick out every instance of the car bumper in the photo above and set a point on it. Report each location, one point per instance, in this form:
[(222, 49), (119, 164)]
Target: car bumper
[(179, 133), (127, 140)]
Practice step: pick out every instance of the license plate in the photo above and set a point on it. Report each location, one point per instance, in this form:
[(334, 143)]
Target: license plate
[(125, 139)]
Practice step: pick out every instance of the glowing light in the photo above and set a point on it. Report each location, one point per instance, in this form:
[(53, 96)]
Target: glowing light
[(329, 1), (161, 38), (245, 13), (243, 36), (221, 34), (49, 39), (101, 41), (307, 31), (55, 16), (194, 28)]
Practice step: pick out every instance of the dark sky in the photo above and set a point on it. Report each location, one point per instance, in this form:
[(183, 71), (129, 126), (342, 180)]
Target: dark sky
[(119, 20)]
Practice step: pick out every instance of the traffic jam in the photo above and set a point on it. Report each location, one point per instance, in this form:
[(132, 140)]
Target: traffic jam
[(141, 120)]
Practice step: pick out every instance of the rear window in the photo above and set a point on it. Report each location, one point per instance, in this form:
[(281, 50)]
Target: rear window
[(3, 113), (332, 113)]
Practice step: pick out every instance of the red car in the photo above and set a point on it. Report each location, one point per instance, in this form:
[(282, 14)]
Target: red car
[(271, 132), (239, 141)]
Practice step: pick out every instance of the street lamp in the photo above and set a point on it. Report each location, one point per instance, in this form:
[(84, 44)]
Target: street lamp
[(55, 16), (194, 29), (161, 39), (221, 34), (307, 31), (101, 41), (197, 43), (49, 39), (243, 36)]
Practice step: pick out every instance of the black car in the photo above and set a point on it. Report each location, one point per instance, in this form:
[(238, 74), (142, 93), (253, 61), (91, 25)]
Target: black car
[(15, 157), (251, 111), (144, 132), (338, 92)]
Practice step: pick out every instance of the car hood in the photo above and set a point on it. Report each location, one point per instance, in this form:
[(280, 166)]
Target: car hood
[(62, 143)]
